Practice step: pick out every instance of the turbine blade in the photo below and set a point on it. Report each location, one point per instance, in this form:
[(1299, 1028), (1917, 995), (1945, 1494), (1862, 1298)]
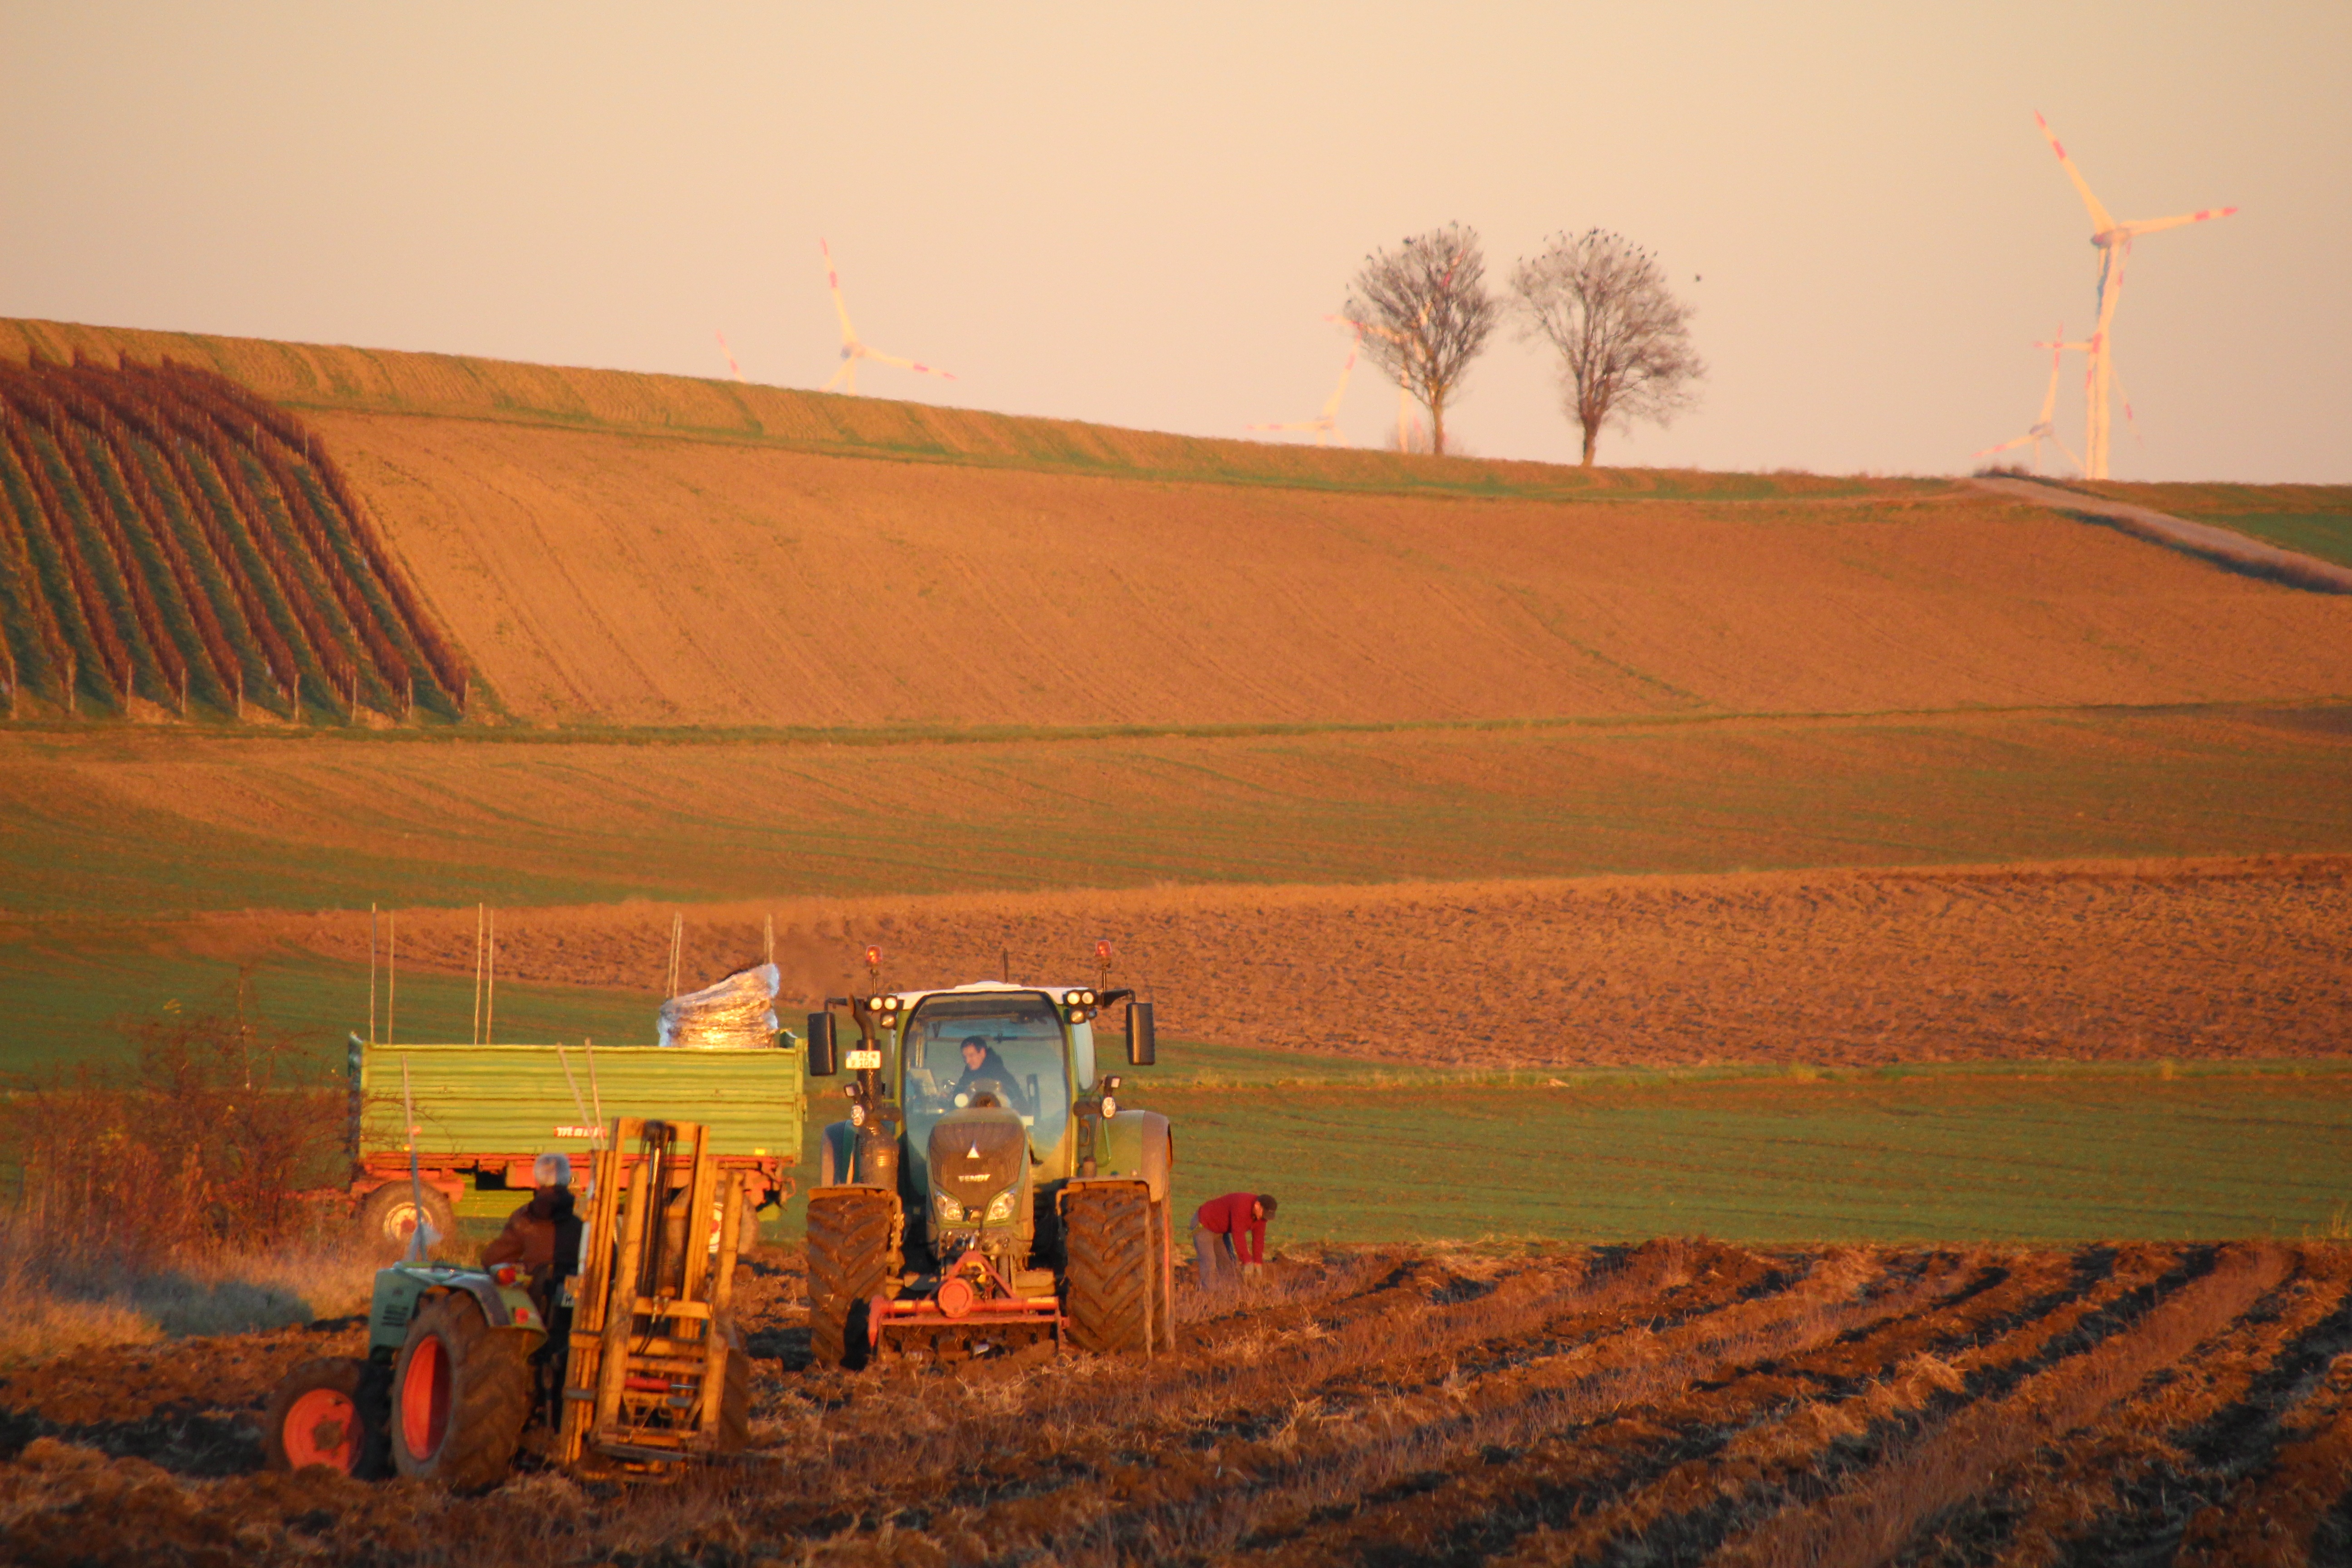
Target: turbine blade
[(2008, 446), (2057, 361), (865, 352), (2156, 225), (832, 281), (2100, 222), (730, 354), (1331, 407)]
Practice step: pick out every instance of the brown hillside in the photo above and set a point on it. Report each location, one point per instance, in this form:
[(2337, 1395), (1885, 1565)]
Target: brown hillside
[(626, 549), (646, 580)]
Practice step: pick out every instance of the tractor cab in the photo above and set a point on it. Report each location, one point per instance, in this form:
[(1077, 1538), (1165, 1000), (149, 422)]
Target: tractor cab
[(977, 1119)]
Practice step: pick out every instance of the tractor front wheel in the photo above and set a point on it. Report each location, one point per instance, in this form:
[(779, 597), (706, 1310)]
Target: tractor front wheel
[(848, 1261), (1115, 1267), (461, 1395), (327, 1410)]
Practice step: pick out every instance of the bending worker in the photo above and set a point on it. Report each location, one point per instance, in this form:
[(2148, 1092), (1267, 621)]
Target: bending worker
[(1228, 1237)]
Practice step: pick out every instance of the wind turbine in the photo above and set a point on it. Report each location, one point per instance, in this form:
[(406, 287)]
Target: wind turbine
[(1406, 341), (731, 365), (852, 351), (2114, 242), (2045, 428), (1326, 425)]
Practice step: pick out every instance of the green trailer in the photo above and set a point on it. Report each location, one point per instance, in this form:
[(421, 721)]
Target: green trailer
[(483, 1113)]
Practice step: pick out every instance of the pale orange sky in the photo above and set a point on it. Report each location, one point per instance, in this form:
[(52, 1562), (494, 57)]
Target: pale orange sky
[(1141, 221)]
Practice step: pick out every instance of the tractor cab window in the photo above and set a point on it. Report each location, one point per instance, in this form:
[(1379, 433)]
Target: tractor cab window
[(1008, 1046)]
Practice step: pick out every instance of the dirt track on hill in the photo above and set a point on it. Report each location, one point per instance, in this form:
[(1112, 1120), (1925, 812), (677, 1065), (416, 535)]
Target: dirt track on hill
[(2237, 959), (638, 580), (1681, 1402)]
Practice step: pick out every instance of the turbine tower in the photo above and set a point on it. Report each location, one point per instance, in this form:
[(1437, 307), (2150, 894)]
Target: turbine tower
[(2114, 242), (1326, 425), (2045, 428), (852, 351)]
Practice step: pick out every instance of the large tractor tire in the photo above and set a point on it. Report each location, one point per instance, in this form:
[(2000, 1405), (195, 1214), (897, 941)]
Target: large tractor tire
[(848, 1263), (461, 1395), (328, 1411), (1113, 1279), (388, 1218)]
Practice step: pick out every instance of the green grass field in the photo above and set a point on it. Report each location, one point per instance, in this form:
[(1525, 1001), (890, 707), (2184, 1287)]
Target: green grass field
[(2328, 535), (72, 1005), (131, 824), (1363, 1152), (2024, 1155)]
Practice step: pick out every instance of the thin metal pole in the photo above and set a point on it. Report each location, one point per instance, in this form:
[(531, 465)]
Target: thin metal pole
[(477, 974), (391, 974), (372, 920), (490, 1007), (416, 1180)]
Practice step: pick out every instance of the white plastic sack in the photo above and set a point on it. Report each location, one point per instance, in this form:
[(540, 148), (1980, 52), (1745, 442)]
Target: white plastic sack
[(734, 1013)]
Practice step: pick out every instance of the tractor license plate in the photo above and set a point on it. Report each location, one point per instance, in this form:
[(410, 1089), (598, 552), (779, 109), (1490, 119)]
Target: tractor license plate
[(859, 1061)]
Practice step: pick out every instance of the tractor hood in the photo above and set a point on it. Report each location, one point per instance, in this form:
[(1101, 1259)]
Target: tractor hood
[(976, 1154)]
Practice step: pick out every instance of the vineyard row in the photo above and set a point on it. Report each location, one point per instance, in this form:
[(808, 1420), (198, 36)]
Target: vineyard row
[(166, 536)]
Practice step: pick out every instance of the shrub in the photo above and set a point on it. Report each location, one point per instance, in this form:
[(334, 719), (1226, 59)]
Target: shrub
[(203, 1147)]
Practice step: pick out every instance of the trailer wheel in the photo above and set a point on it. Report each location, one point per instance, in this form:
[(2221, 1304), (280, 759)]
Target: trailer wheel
[(848, 1261), (388, 1216), (1114, 1271), (461, 1395), (327, 1410)]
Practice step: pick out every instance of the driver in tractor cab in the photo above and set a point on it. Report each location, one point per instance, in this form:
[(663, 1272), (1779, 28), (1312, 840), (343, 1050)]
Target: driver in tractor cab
[(985, 1072)]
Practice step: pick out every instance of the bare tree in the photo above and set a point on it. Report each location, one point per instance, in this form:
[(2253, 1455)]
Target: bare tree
[(1623, 338), (1426, 314)]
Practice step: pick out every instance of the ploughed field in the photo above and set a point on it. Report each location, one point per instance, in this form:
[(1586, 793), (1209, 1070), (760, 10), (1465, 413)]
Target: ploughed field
[(1678, 1401), (2217, 959)]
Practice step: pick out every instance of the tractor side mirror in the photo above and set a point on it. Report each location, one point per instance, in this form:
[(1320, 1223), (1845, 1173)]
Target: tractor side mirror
[(823, 1057), (1142, 1042)]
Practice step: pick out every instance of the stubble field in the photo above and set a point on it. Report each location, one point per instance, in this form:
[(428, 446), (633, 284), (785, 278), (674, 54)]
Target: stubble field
[(1672, 1402)]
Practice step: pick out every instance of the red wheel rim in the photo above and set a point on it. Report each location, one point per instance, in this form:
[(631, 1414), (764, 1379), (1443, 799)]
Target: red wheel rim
[(425, 1398), (322, 1428)]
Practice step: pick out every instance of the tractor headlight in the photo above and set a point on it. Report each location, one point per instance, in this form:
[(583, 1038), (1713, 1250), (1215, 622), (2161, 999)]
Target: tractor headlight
[(1110, 1108), (1000, 1207), (951, 1212)]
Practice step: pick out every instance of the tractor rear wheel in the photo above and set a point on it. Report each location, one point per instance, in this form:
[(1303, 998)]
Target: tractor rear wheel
[(461, 1395), (848, 1262), (327, 1410), (1113, 1277)]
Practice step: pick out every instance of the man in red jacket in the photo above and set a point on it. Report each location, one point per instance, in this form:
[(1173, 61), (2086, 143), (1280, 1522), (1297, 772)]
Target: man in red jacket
[(1228, 1237)]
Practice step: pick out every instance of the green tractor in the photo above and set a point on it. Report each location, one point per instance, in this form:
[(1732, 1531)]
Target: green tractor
[(988, 1190), (442, 1395), (646, 1370)]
